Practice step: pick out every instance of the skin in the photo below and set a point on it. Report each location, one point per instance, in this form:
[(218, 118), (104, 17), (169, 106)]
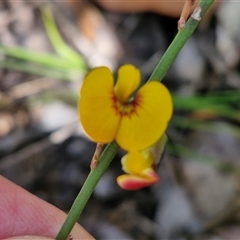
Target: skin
[(23, 214), (169, 8)]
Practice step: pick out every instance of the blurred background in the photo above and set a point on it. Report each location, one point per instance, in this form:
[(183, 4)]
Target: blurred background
[(46, 48)]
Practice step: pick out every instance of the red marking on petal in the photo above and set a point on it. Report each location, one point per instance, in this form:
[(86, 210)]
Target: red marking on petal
[(150, 173), (127, 108), (133, 182)]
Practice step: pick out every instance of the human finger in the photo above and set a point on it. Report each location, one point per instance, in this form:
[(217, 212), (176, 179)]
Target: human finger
[(22, 213)]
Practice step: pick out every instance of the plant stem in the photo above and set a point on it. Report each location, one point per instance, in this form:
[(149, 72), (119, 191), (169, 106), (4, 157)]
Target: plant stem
[(87, 189), (178, 43), (46, 59), (37, 69), (55, 37), (112, 148)]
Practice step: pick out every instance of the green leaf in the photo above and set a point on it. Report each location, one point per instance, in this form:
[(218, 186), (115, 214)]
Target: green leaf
[(59, 45)]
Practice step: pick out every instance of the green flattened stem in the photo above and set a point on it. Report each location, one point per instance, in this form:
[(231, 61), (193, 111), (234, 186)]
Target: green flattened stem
[(87, 189), (178, 42), (112, 148)]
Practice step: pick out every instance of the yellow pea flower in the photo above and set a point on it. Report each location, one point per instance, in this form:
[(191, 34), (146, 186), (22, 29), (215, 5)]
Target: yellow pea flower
[(140, 166), (139, 169), (110, 112)]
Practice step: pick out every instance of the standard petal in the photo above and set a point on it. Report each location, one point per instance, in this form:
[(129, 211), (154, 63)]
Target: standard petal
[(134, 182), (97, 114), (137, 162), (128, 81), (149, 121)]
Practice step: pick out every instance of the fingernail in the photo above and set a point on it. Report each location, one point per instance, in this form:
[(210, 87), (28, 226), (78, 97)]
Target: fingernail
[(29, 237)]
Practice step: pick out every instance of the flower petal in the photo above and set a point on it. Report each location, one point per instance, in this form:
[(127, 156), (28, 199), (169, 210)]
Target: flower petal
[(149, 121), (158, 150), (127, 82), (137, 162), (134, 182), (138, 165), (97, 114)]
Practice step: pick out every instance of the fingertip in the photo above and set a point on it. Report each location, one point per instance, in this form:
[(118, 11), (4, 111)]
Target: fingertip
[(28, 237)]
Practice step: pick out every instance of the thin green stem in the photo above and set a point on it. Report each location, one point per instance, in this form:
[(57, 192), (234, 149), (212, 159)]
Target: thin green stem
[(37, 69), (112, 148), (178, 43), (46, 59), (55, 37), (87, 189)]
